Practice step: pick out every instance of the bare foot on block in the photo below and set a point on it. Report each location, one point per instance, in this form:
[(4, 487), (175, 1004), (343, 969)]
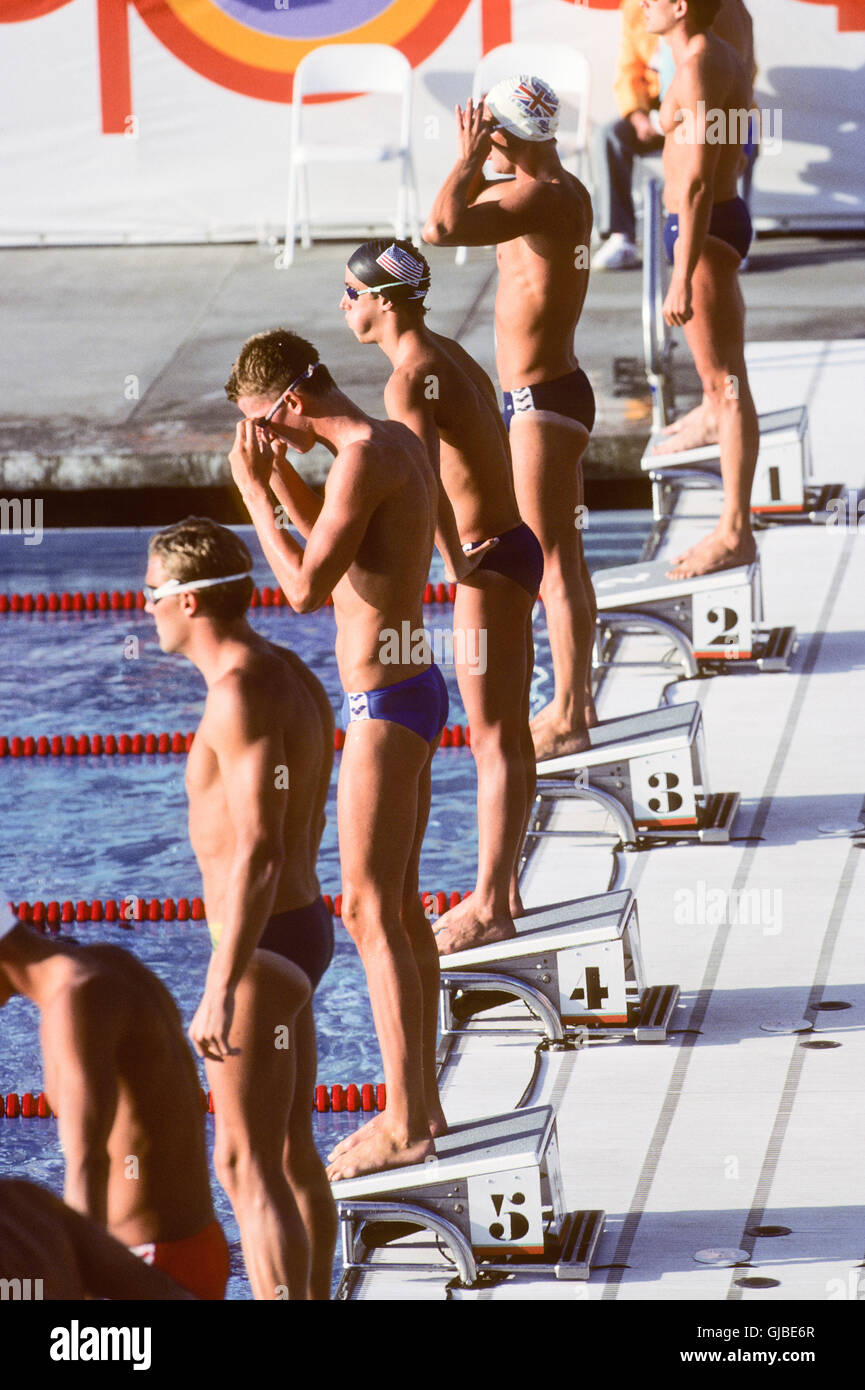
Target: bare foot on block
[(463, 927), (696, 429), (379, 1148), (556, 742), (714, 552)]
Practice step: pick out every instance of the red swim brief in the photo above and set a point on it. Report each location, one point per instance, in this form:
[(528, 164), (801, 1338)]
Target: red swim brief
[(198, 1264)]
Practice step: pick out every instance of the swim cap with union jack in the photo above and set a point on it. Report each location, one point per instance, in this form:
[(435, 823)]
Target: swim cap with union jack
[(524, 106)]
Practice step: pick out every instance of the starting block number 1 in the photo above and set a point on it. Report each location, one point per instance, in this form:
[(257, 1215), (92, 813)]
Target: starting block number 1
[(505, 1212), (721, 623)]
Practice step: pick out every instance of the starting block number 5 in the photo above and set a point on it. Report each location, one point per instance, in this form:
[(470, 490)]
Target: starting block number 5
[(721, 622), (505, 1212)]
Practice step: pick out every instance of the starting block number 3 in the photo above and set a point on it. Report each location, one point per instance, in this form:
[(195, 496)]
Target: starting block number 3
[(662, 789), (505, 1212), (722, 623)]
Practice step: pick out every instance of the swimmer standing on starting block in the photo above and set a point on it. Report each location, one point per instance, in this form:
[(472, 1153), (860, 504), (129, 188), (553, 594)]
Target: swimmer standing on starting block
[(369, 544), (120, 1075), (257, 778), (443, 395), (706, 236), (541, 220)]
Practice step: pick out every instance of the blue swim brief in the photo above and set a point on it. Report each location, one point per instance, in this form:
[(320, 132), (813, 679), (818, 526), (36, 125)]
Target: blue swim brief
[(419, 703), (730, 221), (571, 396), (518, 556)]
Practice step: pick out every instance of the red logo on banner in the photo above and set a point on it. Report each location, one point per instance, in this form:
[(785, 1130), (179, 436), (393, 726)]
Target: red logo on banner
[(13, 11), (851, 13)]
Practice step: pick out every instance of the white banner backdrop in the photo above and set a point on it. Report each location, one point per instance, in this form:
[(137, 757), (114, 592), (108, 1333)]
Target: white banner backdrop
[(193, 159)]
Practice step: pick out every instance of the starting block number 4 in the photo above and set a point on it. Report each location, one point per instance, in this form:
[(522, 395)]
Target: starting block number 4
[(505, 1212), (592, 984), (721, 623)]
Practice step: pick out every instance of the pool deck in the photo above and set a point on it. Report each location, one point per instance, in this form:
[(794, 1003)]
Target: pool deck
[(737, 1121), (115, 357)]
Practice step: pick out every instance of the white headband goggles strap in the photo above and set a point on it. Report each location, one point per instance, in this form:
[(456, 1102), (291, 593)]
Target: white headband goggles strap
[(175, 586)]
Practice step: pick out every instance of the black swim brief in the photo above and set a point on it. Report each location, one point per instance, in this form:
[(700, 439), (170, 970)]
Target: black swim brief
[(571, 396)]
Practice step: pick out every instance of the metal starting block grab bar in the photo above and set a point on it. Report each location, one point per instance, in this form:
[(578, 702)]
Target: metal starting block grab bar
[(648, 770), (709, 618), (657, 342), (492, 1194), (577, 963)]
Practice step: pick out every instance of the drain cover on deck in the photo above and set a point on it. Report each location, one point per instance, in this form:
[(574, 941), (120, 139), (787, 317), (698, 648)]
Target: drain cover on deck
[(801, 1025), (722, 1258)]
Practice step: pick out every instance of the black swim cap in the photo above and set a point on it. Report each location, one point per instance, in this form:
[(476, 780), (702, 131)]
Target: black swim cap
[(392, 263)]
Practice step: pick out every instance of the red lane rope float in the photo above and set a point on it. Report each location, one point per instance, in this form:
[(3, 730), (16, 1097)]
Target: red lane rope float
[(132, 908), (122, 745), (336, 1098), (129, 601)]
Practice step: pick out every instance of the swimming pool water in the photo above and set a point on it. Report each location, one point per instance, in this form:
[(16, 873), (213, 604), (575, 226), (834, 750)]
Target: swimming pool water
[(99, 827)]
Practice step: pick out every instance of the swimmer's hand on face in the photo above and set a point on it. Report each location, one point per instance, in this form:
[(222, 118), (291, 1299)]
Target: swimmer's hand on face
[(677, 305), (211, 1025), (473, 553), (252, 457), (474, 126)]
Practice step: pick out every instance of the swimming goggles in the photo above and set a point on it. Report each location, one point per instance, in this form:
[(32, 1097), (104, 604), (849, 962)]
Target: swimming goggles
[(266, 419), (373, 289), (177, 586)]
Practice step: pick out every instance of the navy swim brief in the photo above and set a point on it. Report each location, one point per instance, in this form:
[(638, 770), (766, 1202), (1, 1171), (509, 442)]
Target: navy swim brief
[(303, 935), (730, 221), (518, 556), (571, 396), (419, 703)]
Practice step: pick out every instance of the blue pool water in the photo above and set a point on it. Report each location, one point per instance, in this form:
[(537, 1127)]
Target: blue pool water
[(97, 827)]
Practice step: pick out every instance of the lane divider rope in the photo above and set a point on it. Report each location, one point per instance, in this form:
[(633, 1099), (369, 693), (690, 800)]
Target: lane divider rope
[(135, 909), (28, 1105), (130, 600), (123, 745)]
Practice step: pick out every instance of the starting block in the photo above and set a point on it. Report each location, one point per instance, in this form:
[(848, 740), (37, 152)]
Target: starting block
[(582, 957), (648, 770), (783, 488), (493, 1194), (708, 618)]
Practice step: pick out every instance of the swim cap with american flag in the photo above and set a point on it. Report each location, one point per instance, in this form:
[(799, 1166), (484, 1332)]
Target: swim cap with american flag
[(399, 263)]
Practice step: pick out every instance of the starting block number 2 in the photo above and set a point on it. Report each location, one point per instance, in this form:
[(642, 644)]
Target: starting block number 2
[(505, 1212), (722, 623)]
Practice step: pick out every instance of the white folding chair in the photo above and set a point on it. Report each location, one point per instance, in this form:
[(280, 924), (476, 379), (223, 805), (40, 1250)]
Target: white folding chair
[(568, 73), (348, 68)]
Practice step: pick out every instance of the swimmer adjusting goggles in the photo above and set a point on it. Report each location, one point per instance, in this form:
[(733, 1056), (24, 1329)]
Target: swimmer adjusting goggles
[(177, 586)]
